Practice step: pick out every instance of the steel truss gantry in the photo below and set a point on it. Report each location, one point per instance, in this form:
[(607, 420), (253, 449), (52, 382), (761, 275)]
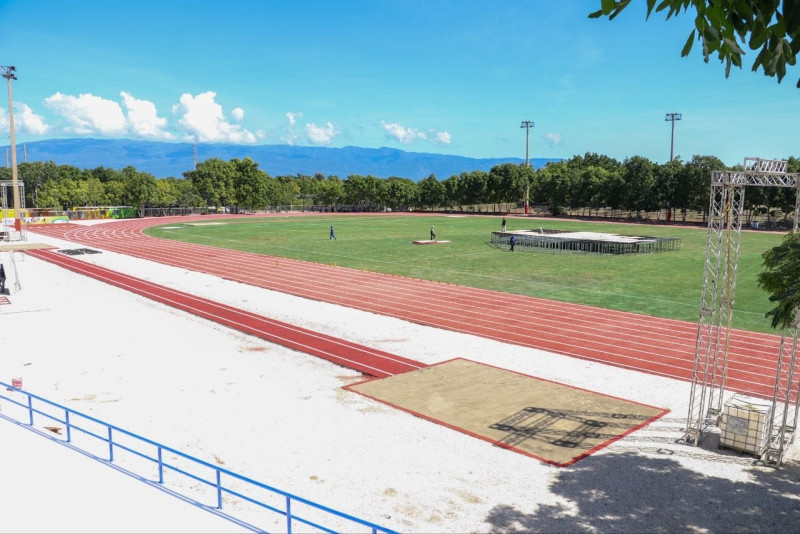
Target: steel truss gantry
[(710, 367)]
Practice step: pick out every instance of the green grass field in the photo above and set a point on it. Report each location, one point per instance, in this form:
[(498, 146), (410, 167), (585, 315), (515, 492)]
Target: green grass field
[(665, 284)]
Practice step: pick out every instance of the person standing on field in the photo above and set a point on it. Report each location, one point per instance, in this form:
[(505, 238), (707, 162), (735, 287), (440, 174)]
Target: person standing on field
[(512, 242), (433, 233), (333, 235), (503, 229)]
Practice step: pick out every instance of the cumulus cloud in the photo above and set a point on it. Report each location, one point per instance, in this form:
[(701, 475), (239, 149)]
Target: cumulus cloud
[(88, 114), (237, 113), (408, 135), (320, 135), (143, 119), (293, 117), (291, 136), (203, 120), (399, 132), (25, 120), (443, 138), (554, 139)]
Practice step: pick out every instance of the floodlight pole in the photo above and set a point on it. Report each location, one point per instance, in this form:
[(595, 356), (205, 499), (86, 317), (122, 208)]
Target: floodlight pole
[(8, 72), (672, 117), (527, 125)]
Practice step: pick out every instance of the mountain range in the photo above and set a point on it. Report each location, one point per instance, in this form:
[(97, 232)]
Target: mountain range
[(173, 159)]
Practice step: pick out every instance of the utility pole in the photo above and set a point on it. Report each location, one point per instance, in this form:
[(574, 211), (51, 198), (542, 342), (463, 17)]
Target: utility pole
[(527, 125), (8, 72), (672, 117)]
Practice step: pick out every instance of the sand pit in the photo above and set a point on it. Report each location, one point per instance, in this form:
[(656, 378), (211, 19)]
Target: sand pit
[(553, 422)]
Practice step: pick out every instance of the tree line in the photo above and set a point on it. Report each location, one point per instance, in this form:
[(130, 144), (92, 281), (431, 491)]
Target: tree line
[(588, 182)]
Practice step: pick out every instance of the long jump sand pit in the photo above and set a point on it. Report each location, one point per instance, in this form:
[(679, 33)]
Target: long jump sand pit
[(552, 422)]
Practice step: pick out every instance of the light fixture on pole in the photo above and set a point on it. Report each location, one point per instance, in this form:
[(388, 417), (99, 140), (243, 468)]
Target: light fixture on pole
[(672, 117), (9, 73), (527, 125)]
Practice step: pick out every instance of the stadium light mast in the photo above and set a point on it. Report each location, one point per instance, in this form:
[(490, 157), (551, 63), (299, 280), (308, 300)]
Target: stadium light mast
[(527, 125), (9, 73), (672, 117)]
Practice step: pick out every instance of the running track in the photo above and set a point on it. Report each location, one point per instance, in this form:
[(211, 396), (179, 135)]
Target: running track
[(366, 360), (657, 346)]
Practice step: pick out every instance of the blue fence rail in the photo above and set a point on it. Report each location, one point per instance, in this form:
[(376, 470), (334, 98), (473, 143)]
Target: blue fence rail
[(220, 482)]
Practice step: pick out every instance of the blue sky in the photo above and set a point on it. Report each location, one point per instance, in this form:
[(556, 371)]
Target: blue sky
[(450, 77)]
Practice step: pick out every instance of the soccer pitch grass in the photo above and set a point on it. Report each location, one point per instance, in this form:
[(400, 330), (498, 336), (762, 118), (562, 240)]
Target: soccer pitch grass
[(665, 284)]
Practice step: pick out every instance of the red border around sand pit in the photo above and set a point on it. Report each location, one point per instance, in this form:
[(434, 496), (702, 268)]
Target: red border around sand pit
[(502, 445)]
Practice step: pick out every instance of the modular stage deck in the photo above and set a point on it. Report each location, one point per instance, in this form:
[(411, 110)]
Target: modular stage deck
[(592, 242)]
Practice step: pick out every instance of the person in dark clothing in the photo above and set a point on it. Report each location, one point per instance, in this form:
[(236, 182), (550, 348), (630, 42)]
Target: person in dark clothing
[(503, 228), (333, 235), (512, 242), (433, 234), (2, 279)]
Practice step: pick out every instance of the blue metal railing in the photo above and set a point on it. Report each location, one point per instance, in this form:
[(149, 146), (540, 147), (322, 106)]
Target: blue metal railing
[(118, 439)]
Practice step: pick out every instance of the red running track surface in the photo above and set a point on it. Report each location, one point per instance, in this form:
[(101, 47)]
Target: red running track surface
[(364, 359), (653, 345)]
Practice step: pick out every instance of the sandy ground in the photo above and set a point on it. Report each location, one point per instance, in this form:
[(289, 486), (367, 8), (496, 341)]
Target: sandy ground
[(282, 417)]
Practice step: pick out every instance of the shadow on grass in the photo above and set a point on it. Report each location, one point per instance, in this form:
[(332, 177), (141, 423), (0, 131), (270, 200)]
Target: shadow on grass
[(632, 493)]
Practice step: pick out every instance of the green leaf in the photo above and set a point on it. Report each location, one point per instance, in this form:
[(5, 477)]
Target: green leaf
[(688, 46), (758, 37)]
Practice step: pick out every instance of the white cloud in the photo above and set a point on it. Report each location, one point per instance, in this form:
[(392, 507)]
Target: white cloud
[(88, 114), (443, 138), (143, 118), (293, 117), (408, 135), (237, 113), (400, 133), (553, 138), (292, 136), (320, 135), (203, 120), (25, 120)]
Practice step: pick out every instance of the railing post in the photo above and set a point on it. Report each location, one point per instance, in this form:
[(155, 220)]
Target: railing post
[(69, 428), (160, 468), (110, 446), (288, 515), (30, 410), (219, 492)]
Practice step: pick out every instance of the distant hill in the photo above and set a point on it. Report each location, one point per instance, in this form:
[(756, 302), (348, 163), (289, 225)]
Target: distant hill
[(173, 159)]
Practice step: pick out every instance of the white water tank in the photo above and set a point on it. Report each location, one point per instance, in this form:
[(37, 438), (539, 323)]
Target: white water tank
[(745, 424)]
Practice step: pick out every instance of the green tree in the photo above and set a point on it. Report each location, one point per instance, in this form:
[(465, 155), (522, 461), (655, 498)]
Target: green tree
[(771, 26), (781, 279), (250, 184), (331, 191), (697, 181), (430, 192), (452, 191), (362, 191), (472, 186), (510, 182), (639, 175), (668, 185), (139, 188), (213, 179), (554, 186)]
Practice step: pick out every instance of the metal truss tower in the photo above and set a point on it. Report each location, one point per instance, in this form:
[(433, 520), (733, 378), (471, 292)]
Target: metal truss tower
[(710, 367)]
